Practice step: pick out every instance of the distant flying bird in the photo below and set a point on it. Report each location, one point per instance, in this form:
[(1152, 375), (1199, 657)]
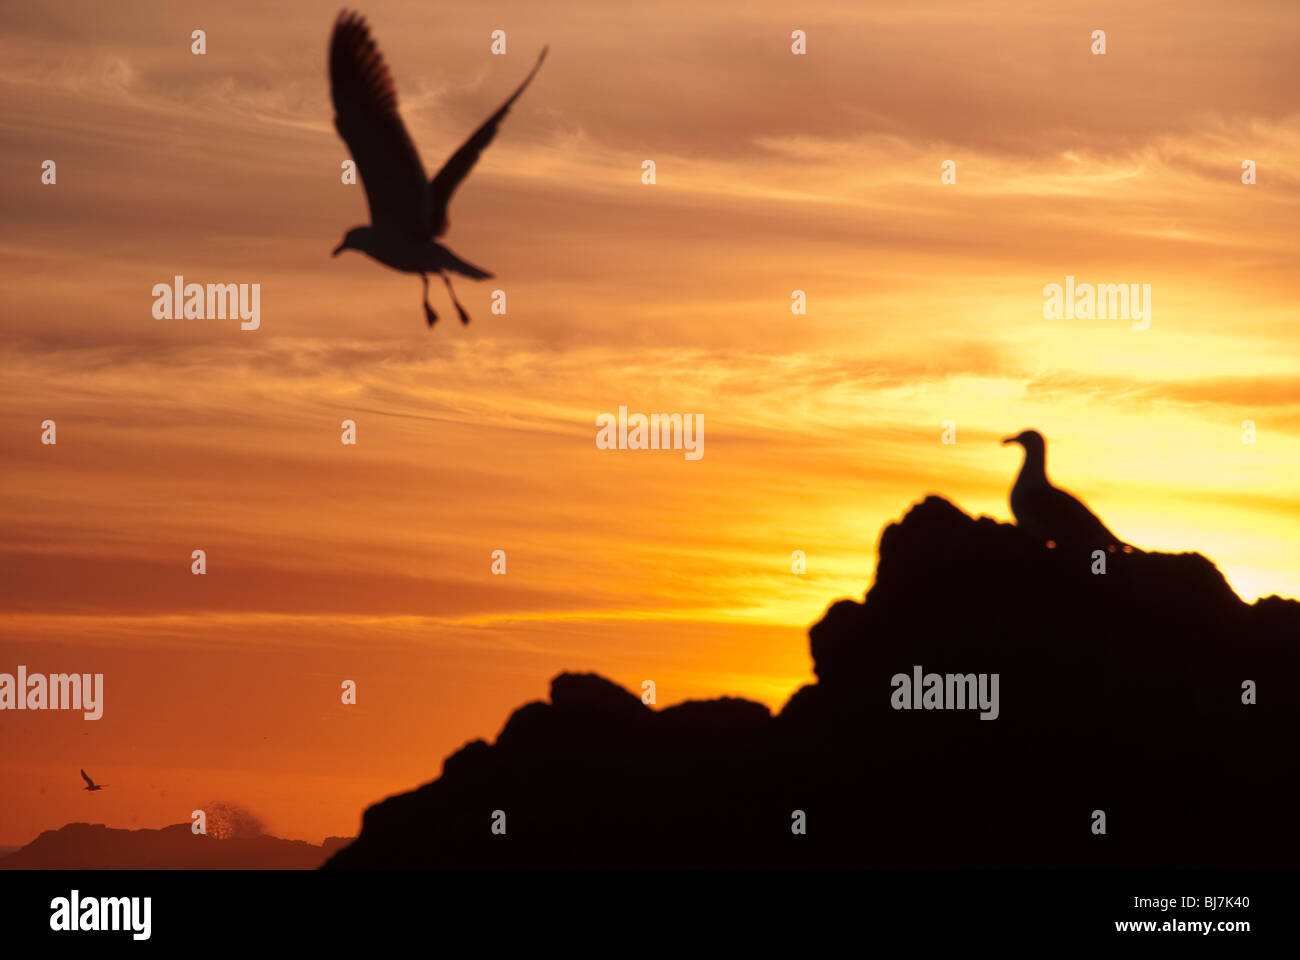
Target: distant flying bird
[(1050, 513), (91, 784), (407, 211)]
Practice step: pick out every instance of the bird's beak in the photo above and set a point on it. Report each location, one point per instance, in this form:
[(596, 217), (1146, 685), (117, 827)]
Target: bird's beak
[(339, 249), (1006, 440)]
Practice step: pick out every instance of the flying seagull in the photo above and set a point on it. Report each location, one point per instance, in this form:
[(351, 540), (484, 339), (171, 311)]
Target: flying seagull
[(407, 210), (1050, 513), (91, 784)]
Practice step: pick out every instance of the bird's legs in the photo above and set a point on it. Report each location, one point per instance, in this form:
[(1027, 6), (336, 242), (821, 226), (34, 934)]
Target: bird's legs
[(429, 315), (464, 317)]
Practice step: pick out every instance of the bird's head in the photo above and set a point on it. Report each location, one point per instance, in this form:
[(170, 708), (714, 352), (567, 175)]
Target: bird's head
[(354, 239), (1031, 440)]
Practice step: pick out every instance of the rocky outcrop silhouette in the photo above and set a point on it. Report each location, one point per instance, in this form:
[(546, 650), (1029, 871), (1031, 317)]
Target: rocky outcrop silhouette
[(1119, 692), (86, 846)]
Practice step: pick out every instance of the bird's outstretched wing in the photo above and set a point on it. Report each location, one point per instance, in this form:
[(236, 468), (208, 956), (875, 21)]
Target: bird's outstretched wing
[(366, 117), (445, 182), (89, 782)]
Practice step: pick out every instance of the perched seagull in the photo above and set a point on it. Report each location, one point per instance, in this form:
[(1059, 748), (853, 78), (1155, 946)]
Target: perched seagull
[(91, 784), (407, 210), (1050, 513)]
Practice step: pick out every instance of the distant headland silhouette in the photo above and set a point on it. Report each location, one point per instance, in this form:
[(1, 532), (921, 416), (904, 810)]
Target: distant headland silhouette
[(94, 846), (1148, 702)]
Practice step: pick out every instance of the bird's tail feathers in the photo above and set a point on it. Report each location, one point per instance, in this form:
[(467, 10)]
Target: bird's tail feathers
[(466, 269)]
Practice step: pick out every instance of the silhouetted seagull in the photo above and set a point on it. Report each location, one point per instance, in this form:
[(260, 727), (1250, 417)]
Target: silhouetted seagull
[(1050, 513), (91, 784), (406, 210)]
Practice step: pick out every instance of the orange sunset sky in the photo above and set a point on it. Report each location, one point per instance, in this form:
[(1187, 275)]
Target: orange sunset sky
[(775, 173)]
